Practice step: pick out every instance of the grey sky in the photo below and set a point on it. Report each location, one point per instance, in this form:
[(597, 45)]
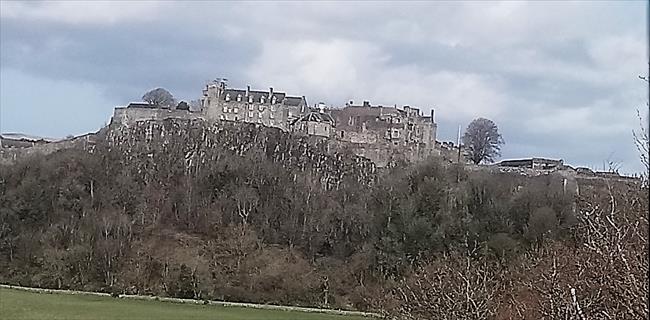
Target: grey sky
[(559, 78)]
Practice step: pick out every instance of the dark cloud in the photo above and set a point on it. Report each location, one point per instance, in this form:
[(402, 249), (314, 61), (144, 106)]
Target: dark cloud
[(124, 58)]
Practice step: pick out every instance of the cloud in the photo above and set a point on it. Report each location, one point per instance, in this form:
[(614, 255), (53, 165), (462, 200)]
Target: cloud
[(79, 13), (341, 70)]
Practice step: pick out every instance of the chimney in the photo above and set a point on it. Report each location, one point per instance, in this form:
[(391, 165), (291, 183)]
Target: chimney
[(248, 90), (366, 103), (351, 102), (270, 92)]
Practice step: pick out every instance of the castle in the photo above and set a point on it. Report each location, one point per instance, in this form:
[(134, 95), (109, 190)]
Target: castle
[(384, 134)]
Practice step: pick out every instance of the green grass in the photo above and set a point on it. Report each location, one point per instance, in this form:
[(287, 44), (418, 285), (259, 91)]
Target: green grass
[(17, 304)]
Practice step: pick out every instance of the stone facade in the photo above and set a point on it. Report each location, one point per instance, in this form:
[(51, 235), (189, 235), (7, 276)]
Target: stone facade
[(314, 123), (372, 124), (134, 113), (268, 108), (386, 135)]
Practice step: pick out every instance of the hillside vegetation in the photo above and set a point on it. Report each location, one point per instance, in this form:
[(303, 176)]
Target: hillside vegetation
[(426, 241)]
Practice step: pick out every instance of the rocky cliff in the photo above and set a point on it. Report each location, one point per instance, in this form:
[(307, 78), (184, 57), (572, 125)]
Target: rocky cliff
[(194, 143)]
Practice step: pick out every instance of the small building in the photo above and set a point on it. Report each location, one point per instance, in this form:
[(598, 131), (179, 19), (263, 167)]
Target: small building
[(143, 105), (314, 123), (20, 140), (533, 163)]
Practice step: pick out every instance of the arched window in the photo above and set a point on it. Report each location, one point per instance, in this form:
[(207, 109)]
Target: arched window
[(239, 97), (250, 99), (262, 100), (227, 96), (274, 100)]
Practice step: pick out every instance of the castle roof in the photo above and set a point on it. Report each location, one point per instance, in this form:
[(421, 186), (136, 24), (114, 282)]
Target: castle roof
[(257, 96), (293, 101), (315, 116), (142, 105)]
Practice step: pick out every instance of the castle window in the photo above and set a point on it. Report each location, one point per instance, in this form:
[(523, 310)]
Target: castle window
[(239, 97), (236, 118), (250, 107), (274, 100), (225, 110), (272, 108), (250, 99), (222, 117), (250, 114), (236, 110), (259, 114), (227, 96), (262, 100), (271, 115), (260, 108)]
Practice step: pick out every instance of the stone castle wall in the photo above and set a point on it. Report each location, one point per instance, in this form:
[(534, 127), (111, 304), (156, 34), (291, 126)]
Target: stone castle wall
[(129, 116)]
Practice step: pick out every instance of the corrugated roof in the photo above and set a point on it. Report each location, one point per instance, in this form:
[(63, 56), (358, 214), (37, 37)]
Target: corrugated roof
[(25, 137)]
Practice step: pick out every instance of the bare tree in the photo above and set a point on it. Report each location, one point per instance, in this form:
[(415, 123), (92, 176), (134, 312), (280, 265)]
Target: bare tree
[(456, 286), (159, 97), (603, 276), (482, 140), (641, 139)]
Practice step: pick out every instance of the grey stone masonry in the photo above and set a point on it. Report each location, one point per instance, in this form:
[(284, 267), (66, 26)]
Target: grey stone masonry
[(268, 108)]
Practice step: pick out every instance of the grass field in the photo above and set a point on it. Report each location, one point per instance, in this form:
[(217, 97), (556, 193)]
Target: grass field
[(17, 304)]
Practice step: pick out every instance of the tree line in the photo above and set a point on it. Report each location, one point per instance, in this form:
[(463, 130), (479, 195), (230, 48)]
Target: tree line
[(247, 229)]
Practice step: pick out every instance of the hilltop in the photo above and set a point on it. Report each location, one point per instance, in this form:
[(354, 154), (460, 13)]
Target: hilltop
[(186, 209)]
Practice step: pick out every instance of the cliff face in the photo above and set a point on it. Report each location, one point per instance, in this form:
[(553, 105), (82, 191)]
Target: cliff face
[(195, 143)]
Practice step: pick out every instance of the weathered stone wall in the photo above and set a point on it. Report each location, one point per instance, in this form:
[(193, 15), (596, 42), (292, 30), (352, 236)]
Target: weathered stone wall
[(129, 116), (268, 108), (199, 142), (385, 154), (270, 115)]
